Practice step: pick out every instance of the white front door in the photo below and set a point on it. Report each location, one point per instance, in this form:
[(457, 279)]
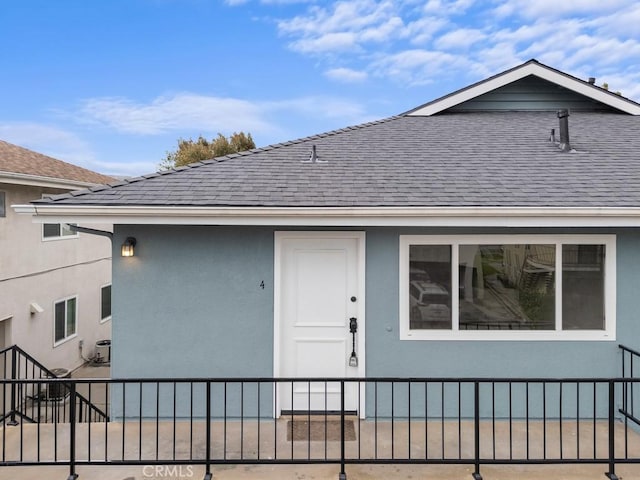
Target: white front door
[(319, 289)]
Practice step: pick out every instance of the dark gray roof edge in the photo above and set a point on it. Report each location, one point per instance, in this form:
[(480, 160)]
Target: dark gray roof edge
[(172, 171), (517, 67)]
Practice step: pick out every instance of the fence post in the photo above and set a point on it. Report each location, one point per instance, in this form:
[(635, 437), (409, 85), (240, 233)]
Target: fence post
[(343, 474), (476, 414), (14, 374), (208, 475), (611, 474), (72, 432)]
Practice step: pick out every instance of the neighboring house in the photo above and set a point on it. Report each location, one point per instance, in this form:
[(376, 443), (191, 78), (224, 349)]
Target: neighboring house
[(55, 284), (467, 237)]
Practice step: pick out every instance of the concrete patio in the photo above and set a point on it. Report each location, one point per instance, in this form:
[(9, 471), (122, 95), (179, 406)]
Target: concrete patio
[(148, 441), (143, 441)]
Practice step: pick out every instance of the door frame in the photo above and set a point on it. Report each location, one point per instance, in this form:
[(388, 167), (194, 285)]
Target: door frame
[(279, 237)]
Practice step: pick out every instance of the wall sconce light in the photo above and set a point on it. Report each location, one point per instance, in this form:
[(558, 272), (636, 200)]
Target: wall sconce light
[(35, 308), (127, 247)]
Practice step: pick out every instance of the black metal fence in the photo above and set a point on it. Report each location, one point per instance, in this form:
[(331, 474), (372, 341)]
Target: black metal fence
[(208, 422), (32, 400)]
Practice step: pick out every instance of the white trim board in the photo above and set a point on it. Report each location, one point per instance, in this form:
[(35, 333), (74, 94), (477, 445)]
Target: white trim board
[(529, 68), (339, 216), (40, 181)]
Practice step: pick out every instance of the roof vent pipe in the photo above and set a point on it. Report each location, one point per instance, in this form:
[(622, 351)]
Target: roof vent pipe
[(592, 80), (563, 115), (314, 158), (314, 154)]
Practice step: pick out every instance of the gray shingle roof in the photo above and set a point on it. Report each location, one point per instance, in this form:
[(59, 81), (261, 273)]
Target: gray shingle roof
[(463, 159)]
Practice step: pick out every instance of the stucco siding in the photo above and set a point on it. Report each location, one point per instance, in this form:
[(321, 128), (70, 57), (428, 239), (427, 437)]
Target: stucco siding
[(487, 358), (190, 303), (34, 270)]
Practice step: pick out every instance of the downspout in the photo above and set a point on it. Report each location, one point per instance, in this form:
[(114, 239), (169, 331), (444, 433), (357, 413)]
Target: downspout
[(90, 231)]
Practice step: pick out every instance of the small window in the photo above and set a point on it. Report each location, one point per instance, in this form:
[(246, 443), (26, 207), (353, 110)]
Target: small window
[(65, 319), (57, 230), (105, 303), (2, 205)]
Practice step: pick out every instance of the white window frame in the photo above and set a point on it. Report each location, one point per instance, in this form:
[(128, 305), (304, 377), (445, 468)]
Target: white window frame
[(75, 333), (60, 236), (104, 319), (610, 298)]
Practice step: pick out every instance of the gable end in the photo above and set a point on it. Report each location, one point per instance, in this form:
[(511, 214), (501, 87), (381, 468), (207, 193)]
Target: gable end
[(579, 87), (531, 94)]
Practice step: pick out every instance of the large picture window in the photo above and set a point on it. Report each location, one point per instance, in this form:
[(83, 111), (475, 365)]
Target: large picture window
[(507, 287), (65, 319)]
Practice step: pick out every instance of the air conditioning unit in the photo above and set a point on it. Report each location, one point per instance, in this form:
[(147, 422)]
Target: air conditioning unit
[(103, 351), (58, 391)]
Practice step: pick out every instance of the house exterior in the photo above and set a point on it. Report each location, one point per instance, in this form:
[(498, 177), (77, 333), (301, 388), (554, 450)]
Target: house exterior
[(469, 237), (55, 284)]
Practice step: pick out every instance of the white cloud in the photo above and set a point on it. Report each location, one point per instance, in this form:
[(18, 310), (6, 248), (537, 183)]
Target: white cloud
[(419, 67), (188, 112), (459, 39), (422, 30), (68, 147), (329, 42), (624, 21), (345, 26), (346, 75), (416, 43), (555, 9), (176, 112), (319, 106), (49, 140), (448, 7)]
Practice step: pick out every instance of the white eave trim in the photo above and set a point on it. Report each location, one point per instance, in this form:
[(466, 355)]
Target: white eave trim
[(338, 216), (583, 88), (40, 181)]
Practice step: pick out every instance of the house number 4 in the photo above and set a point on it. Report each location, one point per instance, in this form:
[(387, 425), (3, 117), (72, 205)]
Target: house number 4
[(262, 284)]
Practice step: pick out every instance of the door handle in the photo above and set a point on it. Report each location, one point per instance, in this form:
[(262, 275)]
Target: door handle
[(353, 325), (353, 328)]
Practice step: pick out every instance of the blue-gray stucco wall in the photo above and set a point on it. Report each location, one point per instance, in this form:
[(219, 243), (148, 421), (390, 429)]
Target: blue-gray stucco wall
[(191, 303)]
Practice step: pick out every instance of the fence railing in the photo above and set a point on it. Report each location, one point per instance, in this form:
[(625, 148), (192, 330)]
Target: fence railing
[(35, 401), (630, 395), (472, 421)]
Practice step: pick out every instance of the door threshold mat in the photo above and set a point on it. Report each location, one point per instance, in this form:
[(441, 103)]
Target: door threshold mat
[(319, 430)]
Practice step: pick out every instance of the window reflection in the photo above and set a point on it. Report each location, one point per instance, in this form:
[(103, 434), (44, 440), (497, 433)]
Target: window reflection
[(583, 287), (507, 287), (430, 286)]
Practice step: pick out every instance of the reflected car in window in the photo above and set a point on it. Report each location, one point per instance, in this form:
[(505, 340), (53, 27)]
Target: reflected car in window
[(429, 302)]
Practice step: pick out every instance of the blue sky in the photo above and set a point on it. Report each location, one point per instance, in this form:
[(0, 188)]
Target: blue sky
[(112, 84)]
